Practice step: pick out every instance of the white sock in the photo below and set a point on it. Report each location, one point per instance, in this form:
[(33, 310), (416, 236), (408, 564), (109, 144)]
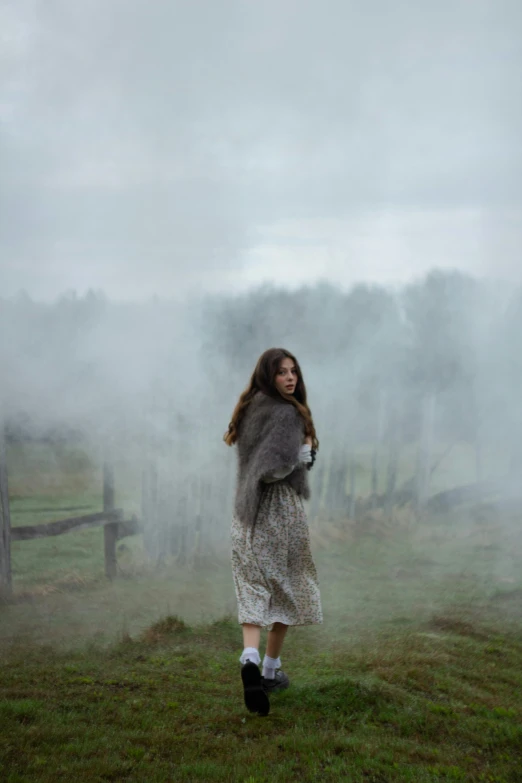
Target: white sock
[(269, 667), (250, 654)]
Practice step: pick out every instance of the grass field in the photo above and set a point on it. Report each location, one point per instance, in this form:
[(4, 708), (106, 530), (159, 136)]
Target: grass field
[(429, 702), (50, 482), (416, 674)]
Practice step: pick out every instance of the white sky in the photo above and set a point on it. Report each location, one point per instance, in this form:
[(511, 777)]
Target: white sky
[(163, 146)]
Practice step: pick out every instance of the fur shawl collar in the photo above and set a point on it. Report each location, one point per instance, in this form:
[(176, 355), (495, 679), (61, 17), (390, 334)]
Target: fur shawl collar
[(269, 439)]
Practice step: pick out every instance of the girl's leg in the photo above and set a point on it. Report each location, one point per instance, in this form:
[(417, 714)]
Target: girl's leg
[(274, 645), (251, 635), (275, 639), (251, 640), (256, 699)]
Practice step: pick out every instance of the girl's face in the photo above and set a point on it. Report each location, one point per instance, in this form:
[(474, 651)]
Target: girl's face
[(286, 377)]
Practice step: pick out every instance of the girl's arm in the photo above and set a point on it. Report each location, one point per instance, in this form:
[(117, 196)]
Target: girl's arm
[(305, 456)]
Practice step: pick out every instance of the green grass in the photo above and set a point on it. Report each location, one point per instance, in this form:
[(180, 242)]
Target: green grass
[(49, 483), (367, 582), (52, 482), (440, 701), (416, 674)]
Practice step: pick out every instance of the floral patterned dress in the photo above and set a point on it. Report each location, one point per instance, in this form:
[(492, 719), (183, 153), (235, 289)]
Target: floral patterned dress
[(274, 573)]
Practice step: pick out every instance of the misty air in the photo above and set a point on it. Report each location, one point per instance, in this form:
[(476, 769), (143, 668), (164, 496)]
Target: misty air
[(260, 391)]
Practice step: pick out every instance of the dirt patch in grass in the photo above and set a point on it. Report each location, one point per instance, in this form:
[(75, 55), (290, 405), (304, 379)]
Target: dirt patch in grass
[(508, 595), (459, 626), (163, 629)]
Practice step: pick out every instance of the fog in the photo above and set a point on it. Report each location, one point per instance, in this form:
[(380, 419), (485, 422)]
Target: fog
[(393, 374), (155, 148), (186, 185)]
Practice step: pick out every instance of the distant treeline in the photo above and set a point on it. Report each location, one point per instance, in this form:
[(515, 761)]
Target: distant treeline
[(449, 337), (368, 352), (398, 379)]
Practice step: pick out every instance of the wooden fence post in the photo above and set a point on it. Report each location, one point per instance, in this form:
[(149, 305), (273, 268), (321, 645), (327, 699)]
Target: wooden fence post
[(5, 522), (149, 509), (393, 461), (110, 530), (353, 469), (379, 434), (424, 460)]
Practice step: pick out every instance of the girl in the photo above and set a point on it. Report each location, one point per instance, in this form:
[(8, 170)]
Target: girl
[(274, 574)]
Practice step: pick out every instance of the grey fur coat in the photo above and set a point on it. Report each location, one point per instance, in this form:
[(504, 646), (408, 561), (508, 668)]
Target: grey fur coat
[(269, 439)]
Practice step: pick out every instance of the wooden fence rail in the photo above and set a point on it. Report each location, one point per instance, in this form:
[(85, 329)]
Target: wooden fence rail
[(28, 532), (115, 527)]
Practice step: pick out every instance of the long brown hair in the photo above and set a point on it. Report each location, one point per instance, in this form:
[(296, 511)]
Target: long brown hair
[(263, 379)]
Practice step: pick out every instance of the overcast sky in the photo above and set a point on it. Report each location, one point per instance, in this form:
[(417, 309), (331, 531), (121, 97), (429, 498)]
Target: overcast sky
[(154, 146)]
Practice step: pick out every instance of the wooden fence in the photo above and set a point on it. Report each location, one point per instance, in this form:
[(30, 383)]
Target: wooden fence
[(115, 527), (5, 521), (185, 515)]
